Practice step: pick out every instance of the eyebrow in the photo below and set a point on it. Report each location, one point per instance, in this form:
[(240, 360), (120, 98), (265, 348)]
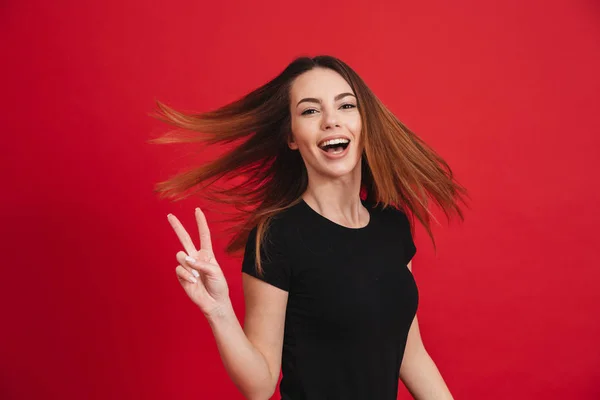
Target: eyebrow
[(315, 100)]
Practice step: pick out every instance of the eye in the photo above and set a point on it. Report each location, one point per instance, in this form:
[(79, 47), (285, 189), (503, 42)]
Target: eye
[(348, 106), (308, 111)]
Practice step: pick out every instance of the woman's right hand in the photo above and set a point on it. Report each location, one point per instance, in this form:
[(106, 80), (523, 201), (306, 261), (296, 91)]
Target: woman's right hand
[(202, 279)]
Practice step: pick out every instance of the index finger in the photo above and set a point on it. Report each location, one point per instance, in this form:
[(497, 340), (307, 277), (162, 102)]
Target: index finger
[(182, 234), (205, 241)]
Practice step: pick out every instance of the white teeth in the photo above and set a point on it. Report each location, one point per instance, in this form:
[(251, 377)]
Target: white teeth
[(334, 141)]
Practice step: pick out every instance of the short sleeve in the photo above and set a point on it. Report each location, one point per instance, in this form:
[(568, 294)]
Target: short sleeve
[(274, 260)]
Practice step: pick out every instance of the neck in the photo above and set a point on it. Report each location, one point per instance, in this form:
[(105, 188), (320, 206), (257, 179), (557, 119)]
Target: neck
[(338, 199)]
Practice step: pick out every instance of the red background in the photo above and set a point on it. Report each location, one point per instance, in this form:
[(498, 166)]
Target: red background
[(506, 92)]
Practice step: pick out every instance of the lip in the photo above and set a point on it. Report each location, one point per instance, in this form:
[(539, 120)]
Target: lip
[(333, 137), (340, 155)]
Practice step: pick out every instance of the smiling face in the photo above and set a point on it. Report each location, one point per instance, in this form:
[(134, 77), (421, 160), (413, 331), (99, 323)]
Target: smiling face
[(326, 124)]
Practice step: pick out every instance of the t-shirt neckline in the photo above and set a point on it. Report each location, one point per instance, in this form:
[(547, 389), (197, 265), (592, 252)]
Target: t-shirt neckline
[(335, 224)]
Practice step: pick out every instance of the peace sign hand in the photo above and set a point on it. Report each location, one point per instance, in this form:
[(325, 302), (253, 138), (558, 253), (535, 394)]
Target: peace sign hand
[(198, 271)]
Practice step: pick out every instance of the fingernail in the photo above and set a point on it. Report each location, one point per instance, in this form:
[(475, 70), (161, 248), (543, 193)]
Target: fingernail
[(190, 260), (195, 273), (192, 279)]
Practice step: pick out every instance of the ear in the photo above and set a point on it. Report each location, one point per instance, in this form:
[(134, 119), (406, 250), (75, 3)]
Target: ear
[(292, 143)]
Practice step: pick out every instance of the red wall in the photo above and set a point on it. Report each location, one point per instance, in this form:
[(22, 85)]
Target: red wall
[(507, 92)]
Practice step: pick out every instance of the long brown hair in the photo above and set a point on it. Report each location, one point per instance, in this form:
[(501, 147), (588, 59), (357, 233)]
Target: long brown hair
[(398, 168)]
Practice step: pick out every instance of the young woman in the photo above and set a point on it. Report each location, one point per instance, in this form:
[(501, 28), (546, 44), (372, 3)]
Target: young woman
[(324, 177)]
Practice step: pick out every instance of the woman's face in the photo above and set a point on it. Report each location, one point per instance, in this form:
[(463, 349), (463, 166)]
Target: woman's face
[(326, 124)]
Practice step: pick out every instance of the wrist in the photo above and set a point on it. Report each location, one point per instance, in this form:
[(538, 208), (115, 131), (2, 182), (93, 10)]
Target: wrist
[(220, 313)]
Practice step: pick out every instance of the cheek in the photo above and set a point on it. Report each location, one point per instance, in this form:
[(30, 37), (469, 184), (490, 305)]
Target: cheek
[(355, 126), (303, 131)]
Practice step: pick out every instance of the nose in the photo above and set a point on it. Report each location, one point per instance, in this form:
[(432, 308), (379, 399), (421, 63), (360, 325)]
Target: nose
[(330, 120)]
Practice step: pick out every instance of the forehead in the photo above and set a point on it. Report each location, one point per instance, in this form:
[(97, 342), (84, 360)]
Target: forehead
[(322, 83)]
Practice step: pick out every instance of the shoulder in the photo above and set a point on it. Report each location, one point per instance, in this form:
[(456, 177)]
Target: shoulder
[(400, 215), (391, 213), (398, 225), (280, 225), (276, 232)]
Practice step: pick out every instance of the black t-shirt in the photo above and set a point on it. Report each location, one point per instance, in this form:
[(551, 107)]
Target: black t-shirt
[(350, 305)]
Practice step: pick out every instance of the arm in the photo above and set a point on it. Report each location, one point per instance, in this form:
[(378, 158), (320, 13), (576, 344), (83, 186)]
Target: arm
[(418, 372), (252, 357)]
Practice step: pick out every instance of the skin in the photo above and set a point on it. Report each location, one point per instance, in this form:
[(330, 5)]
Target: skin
[(252, 354), (322, 104)]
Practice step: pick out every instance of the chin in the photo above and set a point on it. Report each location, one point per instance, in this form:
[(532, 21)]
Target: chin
[(339, 171)]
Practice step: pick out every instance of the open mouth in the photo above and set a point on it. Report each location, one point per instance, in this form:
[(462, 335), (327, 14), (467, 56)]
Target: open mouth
[(334, 146)]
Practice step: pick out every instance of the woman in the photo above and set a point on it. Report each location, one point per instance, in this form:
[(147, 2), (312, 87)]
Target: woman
[(330, 296)]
